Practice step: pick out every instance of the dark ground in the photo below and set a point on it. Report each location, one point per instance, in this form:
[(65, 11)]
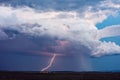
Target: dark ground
[(4, 75)]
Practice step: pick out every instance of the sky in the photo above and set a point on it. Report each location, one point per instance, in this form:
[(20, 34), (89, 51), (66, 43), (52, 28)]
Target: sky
[(60, 35)]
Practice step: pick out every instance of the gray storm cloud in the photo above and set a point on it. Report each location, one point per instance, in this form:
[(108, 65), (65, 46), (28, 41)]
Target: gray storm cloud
[(69, 25), (3, 35)]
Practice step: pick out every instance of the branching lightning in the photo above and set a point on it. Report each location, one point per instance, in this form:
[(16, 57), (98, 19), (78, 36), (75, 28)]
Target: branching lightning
[(50, 63)]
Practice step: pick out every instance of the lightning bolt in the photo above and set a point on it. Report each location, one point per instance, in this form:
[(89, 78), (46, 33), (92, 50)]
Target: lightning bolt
[(50, 63)]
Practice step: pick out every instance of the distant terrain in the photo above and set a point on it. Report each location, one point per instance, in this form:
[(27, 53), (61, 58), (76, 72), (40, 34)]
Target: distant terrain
[(59, 75)]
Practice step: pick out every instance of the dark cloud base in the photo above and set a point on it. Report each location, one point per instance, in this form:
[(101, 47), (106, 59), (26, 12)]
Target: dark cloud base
[(23, 43)]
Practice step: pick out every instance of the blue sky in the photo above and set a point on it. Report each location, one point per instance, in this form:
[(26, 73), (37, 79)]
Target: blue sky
[(74, 30), (108, 63), (111, 20)]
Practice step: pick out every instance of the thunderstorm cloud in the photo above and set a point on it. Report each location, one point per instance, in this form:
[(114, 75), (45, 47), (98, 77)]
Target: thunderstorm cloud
[(76, 26)]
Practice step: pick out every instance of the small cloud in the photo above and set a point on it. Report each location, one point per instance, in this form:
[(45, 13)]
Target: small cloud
[(3, 35)]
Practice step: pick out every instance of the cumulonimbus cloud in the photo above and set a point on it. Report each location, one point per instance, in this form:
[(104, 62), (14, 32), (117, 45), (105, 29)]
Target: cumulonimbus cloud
[(72, 26)]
